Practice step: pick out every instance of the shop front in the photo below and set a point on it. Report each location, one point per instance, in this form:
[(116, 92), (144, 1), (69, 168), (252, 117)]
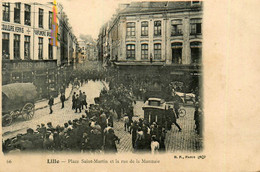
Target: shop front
[(42, 73)]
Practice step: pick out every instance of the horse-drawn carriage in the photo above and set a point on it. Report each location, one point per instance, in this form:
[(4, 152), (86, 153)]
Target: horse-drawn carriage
[(18, 100)]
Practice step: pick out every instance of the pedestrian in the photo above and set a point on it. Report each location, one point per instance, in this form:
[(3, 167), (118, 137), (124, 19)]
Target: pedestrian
[(110, 142), (77, 104), (110, 119), (133, 131), (139, 143), (84, 100), (50, 103), (154, 145), (74, 101), (126, 122), (173, 117), (62, 99), (81, 99)]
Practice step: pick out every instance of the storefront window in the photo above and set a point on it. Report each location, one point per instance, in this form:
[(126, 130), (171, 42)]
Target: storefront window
[(50, 50), (26, 47), (17, 47), (5, 46), (40, 48)]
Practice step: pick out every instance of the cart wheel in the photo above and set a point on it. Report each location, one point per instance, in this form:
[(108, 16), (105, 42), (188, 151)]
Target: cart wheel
[(182, 112), (28, 111), (7, 119)]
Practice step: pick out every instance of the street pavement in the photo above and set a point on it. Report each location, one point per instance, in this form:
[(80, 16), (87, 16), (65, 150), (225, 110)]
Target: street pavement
[(185, 141), (59, 116)]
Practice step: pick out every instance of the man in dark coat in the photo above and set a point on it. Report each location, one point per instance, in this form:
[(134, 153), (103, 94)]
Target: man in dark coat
[(133, 131), (173, 118), (81, 99), (74, 101), (84, 101), (62, 99), (110, 139), (50, 103), (78, 104)]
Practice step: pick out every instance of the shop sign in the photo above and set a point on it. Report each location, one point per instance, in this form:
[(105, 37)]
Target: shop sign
[(11, 28), (29, 65), (42, 33)]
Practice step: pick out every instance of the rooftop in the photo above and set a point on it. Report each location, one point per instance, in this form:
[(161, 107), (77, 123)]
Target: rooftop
[(157, 6)]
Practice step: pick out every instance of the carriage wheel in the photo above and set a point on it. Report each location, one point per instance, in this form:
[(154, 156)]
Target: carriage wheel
[(7, 119), (28, 111), (182, 112)]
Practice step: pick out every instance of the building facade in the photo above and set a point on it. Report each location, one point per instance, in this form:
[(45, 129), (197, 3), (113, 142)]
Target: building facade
[(152, 36), (27, 53)]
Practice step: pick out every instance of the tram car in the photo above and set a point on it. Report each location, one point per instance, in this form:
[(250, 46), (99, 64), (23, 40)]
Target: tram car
[(155, 111)]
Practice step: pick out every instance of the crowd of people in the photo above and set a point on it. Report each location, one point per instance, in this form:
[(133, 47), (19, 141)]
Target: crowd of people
[(92, 132), (147, 137)]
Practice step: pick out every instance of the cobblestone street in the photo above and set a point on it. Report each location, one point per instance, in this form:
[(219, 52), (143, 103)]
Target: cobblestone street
[(185, 141)]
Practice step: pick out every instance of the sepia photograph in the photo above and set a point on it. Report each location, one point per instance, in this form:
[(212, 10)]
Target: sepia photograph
[(129, 83)]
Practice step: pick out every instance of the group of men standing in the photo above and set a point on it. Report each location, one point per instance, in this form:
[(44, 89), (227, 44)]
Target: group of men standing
[(79, 101)]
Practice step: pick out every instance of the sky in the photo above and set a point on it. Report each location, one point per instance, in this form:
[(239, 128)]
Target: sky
[(88, 16)]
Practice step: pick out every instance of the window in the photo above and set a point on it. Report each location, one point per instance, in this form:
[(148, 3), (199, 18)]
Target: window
[(6, 11), (177, 53), (130, 51), (26, 47), (16, 46), (50, 50), (50, 19), (130, 29), (176, 27), (40, 17), (27, 14), (195, 26), (157, 51), (196, 49), (40, 48), (5, 46), (144, 28), (17, 13), (144, 51), (157, 28)]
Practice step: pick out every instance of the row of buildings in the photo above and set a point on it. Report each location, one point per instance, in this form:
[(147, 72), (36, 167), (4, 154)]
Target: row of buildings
[(156, 39), (27, 52)]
